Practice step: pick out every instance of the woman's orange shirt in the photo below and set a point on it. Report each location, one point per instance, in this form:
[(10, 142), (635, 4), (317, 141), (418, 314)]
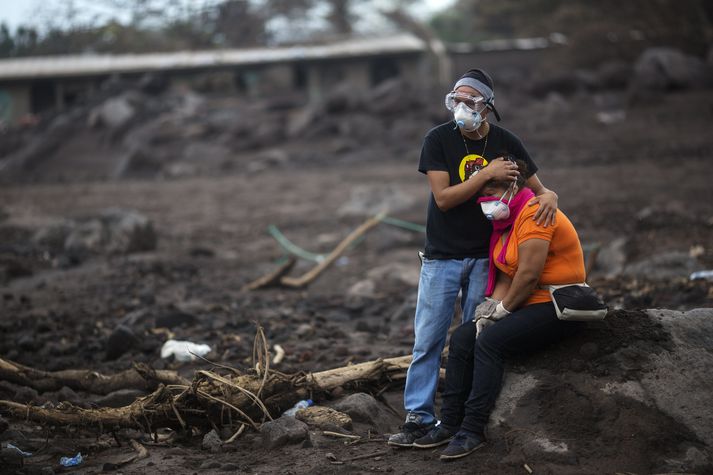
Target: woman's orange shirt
[(565, 259)]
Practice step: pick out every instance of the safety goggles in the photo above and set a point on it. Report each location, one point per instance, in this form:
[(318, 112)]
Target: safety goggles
[(475, 103)]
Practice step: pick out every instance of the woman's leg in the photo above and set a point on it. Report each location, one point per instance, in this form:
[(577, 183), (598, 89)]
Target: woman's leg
[(523, 331), (459, 376)]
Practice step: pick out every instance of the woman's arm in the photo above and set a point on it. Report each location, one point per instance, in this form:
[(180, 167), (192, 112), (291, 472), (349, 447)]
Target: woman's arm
[(502, 285), (532, 255), (548, 201)]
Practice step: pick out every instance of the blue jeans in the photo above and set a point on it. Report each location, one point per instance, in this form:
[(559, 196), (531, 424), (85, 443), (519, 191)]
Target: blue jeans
[(438, 287)]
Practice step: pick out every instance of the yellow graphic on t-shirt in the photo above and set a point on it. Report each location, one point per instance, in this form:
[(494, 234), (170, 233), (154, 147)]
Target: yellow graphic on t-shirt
[(469, 164)]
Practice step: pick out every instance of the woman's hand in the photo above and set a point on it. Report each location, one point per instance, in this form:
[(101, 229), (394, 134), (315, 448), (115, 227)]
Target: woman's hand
[(548, 208)]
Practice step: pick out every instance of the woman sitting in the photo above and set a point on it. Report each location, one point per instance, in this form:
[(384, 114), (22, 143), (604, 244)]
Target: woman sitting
[(518, 317)]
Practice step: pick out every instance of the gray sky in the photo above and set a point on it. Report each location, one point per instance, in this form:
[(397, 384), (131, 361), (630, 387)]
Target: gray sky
[(16, 12)]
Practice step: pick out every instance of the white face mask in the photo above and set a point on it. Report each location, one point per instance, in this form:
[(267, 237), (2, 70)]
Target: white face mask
[(497, 210), (466, 118)]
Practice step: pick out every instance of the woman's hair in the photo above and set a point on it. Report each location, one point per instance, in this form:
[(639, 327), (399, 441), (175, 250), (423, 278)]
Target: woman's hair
[(521, 179)]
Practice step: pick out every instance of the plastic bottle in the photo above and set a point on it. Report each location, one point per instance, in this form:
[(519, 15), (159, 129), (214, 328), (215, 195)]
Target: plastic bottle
[(300, 405)]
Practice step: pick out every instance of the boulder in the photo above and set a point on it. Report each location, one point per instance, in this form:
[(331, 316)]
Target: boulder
[(362, 407), (283, 431), (212, 442), (663, 69)]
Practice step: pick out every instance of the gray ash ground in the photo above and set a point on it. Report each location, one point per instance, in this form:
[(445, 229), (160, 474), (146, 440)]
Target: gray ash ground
[(645, 179)]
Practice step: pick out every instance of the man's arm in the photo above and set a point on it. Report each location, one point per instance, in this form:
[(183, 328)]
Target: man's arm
[(548, 201), (448, 196), (532, 255)]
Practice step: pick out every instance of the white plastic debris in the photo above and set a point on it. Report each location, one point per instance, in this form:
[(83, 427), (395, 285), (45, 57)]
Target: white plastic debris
[(183, 350), (702, 274)]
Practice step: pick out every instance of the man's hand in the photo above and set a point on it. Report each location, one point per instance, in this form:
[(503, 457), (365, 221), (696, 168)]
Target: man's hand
[(501, 170), (548, 208)]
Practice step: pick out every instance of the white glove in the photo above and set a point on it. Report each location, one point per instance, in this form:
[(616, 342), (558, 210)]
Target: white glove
[(500, 312), (486, 308), (481, 324)]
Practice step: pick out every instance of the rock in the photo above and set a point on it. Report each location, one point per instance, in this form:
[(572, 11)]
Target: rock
[(664, 266), (283, 431), (679, 380), (612, 258), (362, 289), (614, 74), (85, 238), (362, 407), (67, 394), (113, 231), (25, 395), (120, 341), (324, 418), (662, 69), (113, 113), (138, 162), (212, 442), (119, 398), (129, 231), (3, 425), (53, 236)]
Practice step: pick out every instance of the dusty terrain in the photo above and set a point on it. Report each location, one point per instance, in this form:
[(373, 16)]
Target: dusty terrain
[(637, 188)]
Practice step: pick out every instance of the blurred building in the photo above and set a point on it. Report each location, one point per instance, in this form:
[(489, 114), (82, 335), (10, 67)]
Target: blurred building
[(30, 86), (34, 85)]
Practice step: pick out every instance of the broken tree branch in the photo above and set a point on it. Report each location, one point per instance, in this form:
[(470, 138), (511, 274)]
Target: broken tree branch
[(139, 377), (200, 404), (278, 276)]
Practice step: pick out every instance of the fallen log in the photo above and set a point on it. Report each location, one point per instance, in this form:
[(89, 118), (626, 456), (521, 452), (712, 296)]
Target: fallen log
[(140, 376), (214, 400)]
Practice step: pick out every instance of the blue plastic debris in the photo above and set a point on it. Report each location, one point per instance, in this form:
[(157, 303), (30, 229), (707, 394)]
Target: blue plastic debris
[(19, 451), (71, 462)]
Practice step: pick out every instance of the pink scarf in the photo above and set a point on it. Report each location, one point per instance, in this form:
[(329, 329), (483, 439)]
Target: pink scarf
[(500, 226)]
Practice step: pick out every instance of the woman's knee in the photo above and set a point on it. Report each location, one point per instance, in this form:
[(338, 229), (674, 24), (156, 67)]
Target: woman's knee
[(463, 338)]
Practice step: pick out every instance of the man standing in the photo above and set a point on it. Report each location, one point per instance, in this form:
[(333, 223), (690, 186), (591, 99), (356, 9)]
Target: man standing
[(458, 158)]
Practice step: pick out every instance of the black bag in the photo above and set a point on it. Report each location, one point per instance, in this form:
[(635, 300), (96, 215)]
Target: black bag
[(577, 302)]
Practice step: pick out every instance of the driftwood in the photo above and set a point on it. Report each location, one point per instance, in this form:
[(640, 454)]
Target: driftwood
[(279, 277), (214, 400), (273, 278), (139, 377)]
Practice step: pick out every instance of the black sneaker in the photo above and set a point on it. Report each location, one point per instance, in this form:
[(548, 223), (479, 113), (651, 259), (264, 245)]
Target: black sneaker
[(439, 435), (464, 443), (413, 429)]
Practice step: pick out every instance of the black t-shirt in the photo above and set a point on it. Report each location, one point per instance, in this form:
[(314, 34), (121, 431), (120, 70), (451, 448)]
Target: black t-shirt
[(463, 231)]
